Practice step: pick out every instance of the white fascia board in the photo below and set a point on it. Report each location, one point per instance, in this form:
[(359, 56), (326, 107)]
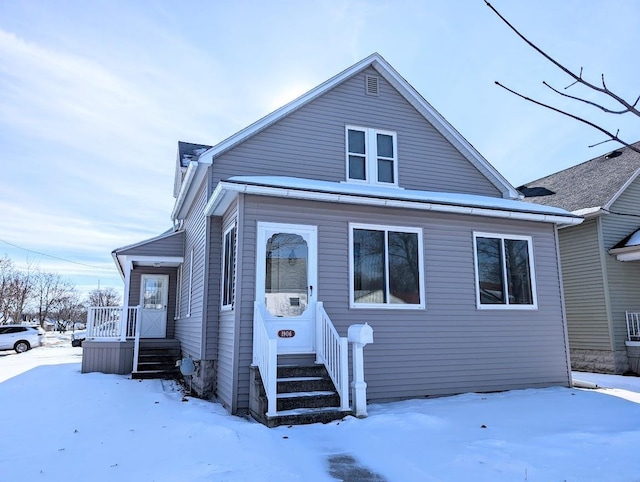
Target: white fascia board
[(626, 253), (196, 172), (117, 261), (155, 259), (225, 192)]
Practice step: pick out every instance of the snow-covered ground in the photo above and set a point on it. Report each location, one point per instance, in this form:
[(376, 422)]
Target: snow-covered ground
[(60, 425)]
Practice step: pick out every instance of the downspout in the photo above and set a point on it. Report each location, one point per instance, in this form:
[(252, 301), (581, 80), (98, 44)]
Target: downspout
[(128, 266), (563, 309)]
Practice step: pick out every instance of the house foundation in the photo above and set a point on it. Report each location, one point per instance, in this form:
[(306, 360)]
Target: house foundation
[(599, 361), (203, 380)]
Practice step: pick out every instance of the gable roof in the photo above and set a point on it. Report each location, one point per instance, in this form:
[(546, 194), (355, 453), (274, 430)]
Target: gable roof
[(590, 186), (375, 61)]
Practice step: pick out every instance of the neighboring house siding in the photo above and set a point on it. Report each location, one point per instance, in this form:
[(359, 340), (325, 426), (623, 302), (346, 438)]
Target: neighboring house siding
[(451, 346), (310, 143), (227, 324), (584, 287), (189, 325), (624, 277), (172, 245), (135, 286)]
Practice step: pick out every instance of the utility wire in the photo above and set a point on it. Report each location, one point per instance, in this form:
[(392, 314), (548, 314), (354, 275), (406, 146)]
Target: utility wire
[(51, 255)]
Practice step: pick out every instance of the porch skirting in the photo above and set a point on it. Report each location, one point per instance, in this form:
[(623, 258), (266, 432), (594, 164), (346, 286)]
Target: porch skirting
[(599, 361), (633, 355), (107, 356)]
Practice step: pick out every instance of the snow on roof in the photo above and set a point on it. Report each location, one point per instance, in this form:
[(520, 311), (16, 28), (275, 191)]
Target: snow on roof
[(394, 193)]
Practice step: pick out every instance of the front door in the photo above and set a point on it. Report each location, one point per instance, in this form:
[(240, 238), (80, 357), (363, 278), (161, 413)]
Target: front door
[(154, 291), (286, 273)]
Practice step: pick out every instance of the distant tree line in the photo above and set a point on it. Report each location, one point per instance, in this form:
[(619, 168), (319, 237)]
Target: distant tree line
[(34, 294)]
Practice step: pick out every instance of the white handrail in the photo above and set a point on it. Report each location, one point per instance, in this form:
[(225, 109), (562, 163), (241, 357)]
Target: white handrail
[(633, 326), (331, 349), (136, 342), (265, 357)]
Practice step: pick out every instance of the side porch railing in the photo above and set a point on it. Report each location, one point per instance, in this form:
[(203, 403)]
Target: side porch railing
[(633, 326), (110, 323)]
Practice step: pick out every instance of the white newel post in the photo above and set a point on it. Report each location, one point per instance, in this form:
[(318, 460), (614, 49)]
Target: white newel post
[(359, 335)]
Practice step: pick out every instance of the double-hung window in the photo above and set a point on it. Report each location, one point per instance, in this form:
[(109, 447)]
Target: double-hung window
[(228, 267), (504, 271), (385, 267), (371, 156)]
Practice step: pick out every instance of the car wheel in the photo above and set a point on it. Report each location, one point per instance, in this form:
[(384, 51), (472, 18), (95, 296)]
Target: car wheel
[(21, 346)]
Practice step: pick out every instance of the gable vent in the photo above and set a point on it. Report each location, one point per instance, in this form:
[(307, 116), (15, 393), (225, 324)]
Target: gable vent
[(371, 85)]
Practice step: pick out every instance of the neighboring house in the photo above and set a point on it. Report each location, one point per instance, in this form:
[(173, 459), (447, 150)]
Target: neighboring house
[(600, 257), (355, 203)]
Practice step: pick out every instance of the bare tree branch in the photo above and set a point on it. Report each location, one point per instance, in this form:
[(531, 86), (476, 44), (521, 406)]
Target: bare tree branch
[(577, 78), (579, 99), (575, 117)]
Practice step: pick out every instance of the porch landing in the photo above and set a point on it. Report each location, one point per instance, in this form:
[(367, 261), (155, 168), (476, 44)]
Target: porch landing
[(157, 357)]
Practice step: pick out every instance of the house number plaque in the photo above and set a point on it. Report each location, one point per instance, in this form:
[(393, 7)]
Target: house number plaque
[(286, 333)]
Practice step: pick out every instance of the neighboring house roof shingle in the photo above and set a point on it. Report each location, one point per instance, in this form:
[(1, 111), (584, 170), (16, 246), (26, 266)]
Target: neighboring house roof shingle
[(592, 184)]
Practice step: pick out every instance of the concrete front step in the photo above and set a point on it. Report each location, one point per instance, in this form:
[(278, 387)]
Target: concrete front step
[(306, 416)]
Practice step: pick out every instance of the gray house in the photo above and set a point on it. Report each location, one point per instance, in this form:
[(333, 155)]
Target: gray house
[(600, 258), (355, 207)]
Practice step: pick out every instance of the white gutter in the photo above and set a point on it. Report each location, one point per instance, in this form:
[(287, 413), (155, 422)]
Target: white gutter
[(184, 188), (219, 201)]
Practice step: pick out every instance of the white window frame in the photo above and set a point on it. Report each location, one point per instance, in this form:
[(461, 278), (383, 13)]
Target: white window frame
[(232, 272), (532, 272), (371, 155), (387, 306), (178, 293), (190, 284)]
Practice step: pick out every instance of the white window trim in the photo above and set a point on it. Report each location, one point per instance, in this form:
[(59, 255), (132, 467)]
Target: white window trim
[(226, 231), (178, 292), (387, 306), (371, 156), (532, 273), (190, 284)]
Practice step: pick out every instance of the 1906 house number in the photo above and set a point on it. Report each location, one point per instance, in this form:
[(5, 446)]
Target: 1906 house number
[(286, 333)]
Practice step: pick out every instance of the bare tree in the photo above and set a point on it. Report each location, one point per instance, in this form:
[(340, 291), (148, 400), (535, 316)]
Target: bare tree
[(604, 93), (69, 310), (50, 293), (15, 289), (103, 297)]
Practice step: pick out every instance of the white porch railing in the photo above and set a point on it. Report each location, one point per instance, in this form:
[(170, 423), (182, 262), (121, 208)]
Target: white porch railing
[(633, 326), (332, 350), (109, 323), (265, 357)]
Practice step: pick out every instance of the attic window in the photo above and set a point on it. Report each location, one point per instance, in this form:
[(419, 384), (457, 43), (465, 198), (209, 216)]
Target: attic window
[(371, 85), (535, 191), (613, 154)]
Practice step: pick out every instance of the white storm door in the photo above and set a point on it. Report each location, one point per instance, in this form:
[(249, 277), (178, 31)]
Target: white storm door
[(286, 280), (154, 291)]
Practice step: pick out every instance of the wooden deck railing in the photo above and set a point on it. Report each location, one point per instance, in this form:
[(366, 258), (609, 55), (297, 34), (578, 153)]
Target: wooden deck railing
[(633, 326)]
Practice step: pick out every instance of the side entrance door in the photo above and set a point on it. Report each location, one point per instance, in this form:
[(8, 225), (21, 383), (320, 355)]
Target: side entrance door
[(286, 280), (154, 292)]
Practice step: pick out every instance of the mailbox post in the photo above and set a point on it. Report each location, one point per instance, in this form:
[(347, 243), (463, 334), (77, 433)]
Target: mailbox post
[(359, 335)]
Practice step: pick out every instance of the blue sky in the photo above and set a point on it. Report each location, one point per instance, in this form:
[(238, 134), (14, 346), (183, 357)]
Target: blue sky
[(94, 96)]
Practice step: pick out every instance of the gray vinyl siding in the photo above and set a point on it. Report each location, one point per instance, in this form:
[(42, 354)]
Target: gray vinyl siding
[(584, 287), (449, 347), (135, 286), (188, 327), (623, 277), (172, 245), (310, 143), (226, 351)]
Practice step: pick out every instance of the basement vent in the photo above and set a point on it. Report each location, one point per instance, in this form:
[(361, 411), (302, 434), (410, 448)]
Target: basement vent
[(371, 85)]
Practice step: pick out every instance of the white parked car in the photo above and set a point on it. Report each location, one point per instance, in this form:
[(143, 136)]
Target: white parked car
[(19, 337)]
